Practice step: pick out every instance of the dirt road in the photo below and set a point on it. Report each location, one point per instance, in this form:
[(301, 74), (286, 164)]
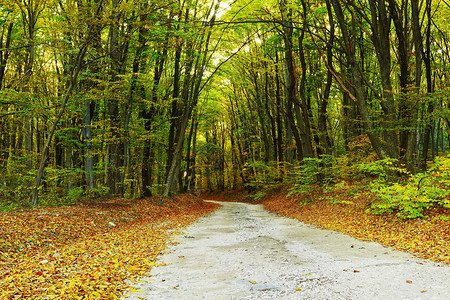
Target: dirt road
[(242, 251)]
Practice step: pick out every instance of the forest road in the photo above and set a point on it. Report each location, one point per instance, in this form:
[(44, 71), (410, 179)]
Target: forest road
[(242, 251)]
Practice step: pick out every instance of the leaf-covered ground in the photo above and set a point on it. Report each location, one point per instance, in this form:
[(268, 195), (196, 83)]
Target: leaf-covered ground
[(87, 251), (344, 209)]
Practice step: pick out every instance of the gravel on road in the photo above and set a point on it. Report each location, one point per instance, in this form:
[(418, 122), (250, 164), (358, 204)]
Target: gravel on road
[(242, 251)]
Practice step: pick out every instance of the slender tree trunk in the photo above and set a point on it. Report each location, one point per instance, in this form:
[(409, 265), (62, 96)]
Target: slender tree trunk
[(175, 113), (430, 108), (307, 135), (187, 173), (262, 114), (269, 112), (44, 155), (87, 137), (279, 119), (291, 85), (190, 101), (118, 50), (149, 115), (131, 90), (4, 54), (324, 137)]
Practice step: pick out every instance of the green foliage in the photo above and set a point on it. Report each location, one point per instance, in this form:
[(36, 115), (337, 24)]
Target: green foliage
[(442, 218), (55, 189), (340, 201), (157, 189), (262, 175), (258, 195), (402, 199), (75, 194), (359, 152), (97, 192), (384, 169), (17, 180), (312, 172), (411, 198)]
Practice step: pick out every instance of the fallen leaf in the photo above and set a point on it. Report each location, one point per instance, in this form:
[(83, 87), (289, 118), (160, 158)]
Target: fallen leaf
[(58, 253)]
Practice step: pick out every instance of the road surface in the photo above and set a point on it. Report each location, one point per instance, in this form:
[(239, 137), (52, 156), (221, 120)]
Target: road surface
[(242, 251)]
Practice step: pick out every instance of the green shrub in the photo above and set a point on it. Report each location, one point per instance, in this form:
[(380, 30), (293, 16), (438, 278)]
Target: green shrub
[(258, 195), (74, 195), (386, 170), (312, 172), (8, 206), (412, 197), (263, 175), (17, 181)]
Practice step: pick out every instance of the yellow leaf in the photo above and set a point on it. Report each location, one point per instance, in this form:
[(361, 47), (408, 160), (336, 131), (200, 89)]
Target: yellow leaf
[(134, 290), (96, 294)]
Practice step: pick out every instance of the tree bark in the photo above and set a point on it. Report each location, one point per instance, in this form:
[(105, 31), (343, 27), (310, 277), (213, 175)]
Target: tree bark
[(381, 30), (428, 74), (40, 173), (407, 108), (382, 149), (189, 102), (4, 54)]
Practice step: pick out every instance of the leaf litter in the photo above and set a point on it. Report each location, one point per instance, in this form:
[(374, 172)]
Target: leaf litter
[(88, 251)]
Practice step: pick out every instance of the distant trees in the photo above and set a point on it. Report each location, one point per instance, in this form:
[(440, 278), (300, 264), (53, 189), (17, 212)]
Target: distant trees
[(335, 70), (139, 98), (91, 91)]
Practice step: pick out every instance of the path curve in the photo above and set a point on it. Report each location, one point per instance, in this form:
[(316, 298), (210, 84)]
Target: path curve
[(242, 251)]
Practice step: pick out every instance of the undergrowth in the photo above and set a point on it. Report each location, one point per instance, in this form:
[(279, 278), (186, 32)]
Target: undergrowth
[(413, 196), (394, 189)]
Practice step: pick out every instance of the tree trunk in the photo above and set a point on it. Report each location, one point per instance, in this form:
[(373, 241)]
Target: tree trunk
[(189, 102), (324, 137), (407, 108), (291, 86), (430, 88), (44, 155), (87, 137), (279, 119), (118, 54), (382, 149), (307, 136), (381, 30), (4, 54)]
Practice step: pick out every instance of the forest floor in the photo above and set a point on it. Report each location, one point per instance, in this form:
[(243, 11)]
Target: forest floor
[(242, 251), (99, 250), (88, 251)]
